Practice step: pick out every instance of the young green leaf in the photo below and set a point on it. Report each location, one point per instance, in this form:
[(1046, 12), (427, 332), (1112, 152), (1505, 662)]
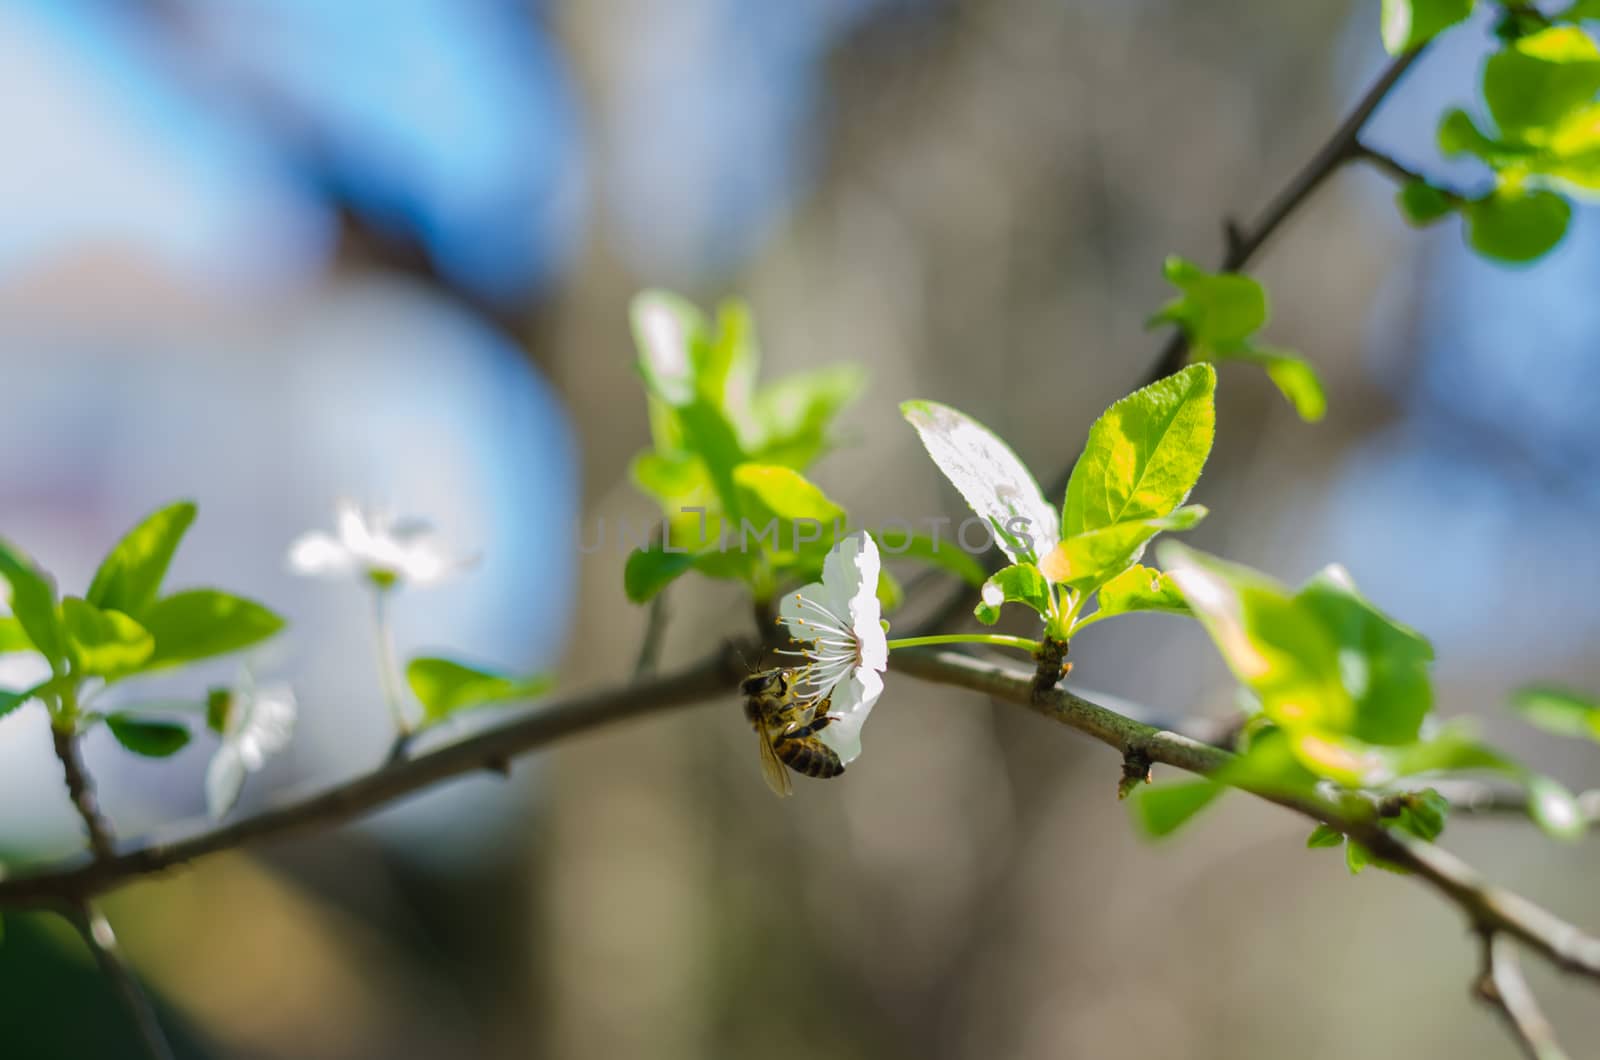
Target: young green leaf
[(708, 434), (785, 493), (676, 480), (791, 418), (1423, 814), (1324, 836), (153, 739), (107, 643), (129, 579), (666, 329), (1216, 308), (1161, 809), (1408, 24), (1094, 557), (1019, 583), (1295, 378), (1144, 454), (33, 604), (13, 637), (444, 687), (10, 701), (989, 477), (1141, 588), (1421, 203), (1537, 80), (1517, 225), (201, 623), (649, 570), (1559, 711)]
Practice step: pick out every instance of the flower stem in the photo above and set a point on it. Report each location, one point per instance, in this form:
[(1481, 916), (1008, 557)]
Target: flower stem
[(386, 670), (997, 639)]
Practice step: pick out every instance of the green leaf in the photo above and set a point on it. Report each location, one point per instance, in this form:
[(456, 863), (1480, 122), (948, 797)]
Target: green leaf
[(1094, 557), (105, 643), (1356, 857), (1423, 814), (1295, 378), (896, 543), (1141, 588), (990, 478), (708, 434), (667, 330), (1421, 203), (1408, 24), (1582, 10), (1517, 225), (1161, 809), (13, 637), (1559, 711), (1382, 664), (1215, 308), (129, 579), (444, 686), (676, 480), (33, 604), (1144, 454), (791, 418), (725, 367), (201, 623), (1554, 809), (648, 571), (1019, 583), (153, 739), (1324, 836), (10, 701), (784, 493), (1537, 80)]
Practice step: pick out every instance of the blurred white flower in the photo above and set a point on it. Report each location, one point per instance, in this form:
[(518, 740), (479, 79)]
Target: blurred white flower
[(254, 723), (378, 547), (839, 620)]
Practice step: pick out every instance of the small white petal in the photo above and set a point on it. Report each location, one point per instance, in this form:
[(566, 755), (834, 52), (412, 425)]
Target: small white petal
[(355, 532), (318, 555), (853, 700), (801, 620), (224, 781)]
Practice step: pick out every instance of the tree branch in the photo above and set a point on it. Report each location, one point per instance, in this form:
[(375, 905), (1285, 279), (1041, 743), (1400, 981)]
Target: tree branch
[(102, 942), (81, 790), (1501, 986)]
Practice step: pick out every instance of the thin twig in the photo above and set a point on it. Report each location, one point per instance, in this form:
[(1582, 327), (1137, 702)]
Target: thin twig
[(1241, 244), (102, 942), (1401, 173), (1484, 905), (81, 790), (1501, 986), (655, 632)]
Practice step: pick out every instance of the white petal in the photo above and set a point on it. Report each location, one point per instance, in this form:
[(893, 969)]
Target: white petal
[(983, 469), (319, 555), (355, 531), (866, 614), (427, 562), (224, 780), (852, 703)]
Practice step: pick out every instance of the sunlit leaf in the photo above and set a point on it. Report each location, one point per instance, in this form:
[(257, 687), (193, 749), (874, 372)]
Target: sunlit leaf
[(1161, 809), (1537, 79), (33, 604), (1295, 378), (202, 623), (1517, 225), (1410, 23), (1560, 711), (1093, 557), (666, 329), (989, 477), (444, 686), (1324, 836), (1019, 583), (785, 493), (1215, 307), (13, 637), (1554, 808), (648, 571), (1421, 203), (1144, 454), (105, 643), (129, 579), (1141, 588)]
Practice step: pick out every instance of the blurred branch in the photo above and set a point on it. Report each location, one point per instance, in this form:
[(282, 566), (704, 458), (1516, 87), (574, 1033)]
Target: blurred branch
[(655, 631), (81, 790), (1401, 173), (1501, 985), (102, 942)]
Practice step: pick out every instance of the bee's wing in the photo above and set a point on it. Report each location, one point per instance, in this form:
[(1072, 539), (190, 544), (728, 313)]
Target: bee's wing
[(772, 769)]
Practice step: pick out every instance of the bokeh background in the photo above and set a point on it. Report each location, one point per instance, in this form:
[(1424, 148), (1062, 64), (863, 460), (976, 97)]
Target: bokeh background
[(268, 253)]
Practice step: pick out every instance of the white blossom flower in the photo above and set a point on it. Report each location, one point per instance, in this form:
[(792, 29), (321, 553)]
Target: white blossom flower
[(839, 621), (254, 723), (376, 546)]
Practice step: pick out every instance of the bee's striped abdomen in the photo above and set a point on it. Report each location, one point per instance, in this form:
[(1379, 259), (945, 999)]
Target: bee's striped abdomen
[(809, 757)]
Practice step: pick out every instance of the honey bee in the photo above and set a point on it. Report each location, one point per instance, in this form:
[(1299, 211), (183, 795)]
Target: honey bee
[(786, 725)]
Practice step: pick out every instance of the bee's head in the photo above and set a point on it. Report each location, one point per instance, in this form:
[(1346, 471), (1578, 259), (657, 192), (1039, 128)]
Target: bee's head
[(767, 682)]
